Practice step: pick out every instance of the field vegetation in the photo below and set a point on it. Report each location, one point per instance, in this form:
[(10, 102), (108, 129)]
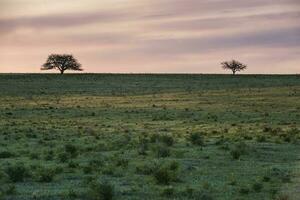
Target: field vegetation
[(93, 136)]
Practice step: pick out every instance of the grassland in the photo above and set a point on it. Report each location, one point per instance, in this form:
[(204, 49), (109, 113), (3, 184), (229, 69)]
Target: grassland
[(149, 136)]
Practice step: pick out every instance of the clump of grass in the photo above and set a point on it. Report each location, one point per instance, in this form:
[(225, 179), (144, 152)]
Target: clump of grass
[(168, 191), (142, 150), (257, 186), (6, 154), (143, 145), (267, 129), (93, 165), (101, 191), (72, 150), (122, 162), (196, 139), (71, 194), (63, 157), (261, 138), (3, 177), (284, 176), (73, 165), (282, 197), (17, 172), (238, 150), (235, 153), (147, 168), (167, 139), (174, 165), (154, 138), (34, 156), (45, 175), (244, 190), (220, 141), (7, 189), (266, 178), (49, 155), (165, 174), (290, 135), (194, 194), (162, 151), (109, 170)]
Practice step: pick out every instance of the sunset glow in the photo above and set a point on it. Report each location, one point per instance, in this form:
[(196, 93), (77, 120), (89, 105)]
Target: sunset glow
[(151, 36)]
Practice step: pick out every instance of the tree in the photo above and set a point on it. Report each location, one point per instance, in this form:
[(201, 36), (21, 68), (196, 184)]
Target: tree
[(62, 63), (234, 66)]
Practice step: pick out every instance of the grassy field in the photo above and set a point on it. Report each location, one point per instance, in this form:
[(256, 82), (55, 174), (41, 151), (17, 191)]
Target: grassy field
[(93, 136)]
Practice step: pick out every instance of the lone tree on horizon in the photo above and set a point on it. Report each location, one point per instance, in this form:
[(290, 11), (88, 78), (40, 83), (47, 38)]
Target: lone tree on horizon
[(234, 66), (62, 62)]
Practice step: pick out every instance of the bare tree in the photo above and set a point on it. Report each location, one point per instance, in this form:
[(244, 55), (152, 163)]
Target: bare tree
[(234, 66), (62, 63)]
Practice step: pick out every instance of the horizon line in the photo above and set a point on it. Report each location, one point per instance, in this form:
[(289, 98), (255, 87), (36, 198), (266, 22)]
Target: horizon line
[(141, 73)]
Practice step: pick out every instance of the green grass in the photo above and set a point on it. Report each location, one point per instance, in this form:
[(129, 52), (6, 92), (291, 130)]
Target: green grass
[(136, 136)]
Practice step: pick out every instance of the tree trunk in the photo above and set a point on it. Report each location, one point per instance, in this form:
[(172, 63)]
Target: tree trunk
[(233, 72), (62, 71)]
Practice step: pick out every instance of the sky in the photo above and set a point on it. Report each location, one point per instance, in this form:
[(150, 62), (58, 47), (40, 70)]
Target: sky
[(151, 36)]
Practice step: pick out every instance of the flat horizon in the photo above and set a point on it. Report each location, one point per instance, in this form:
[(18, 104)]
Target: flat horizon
[(153, 73)]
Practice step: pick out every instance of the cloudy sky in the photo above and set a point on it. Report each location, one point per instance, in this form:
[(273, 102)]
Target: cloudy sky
[(143, 36)]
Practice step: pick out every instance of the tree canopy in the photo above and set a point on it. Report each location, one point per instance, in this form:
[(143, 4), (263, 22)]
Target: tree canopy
[(62, 62), (234, 66)]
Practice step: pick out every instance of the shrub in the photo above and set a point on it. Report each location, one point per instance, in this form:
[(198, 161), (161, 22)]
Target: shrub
[(6, 154), (162, 151), (87, 169), (242, 146), (143, 149), (236, 154), (220, 141), (154, 138), (205, 196), (238, 150), (7, 189), (49, 155), (174, 165), (284, 176), (267, 129), (71, 149), (34, 156), (189, 192), (196, 139), (257, 187), (45, 175), (201, 195), (266, 178), (93, 164), (146, 168), (97, 162), (282, 197), (122, 162), (167, 139), (3, 177), (73, 164), (72, 194), (17, 172), (108, 170), (261, 138), (63, 157), (168, 191), (101, 191), (244, 190), (165, 174)]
